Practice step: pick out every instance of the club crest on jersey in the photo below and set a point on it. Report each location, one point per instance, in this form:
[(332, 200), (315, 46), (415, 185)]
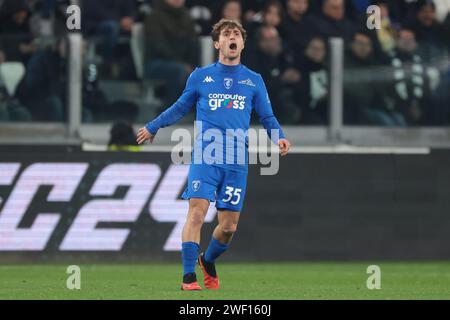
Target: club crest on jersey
[(228, 82), (196, 185)]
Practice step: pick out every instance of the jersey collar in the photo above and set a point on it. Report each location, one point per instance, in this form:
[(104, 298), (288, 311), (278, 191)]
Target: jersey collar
[(229, 69)]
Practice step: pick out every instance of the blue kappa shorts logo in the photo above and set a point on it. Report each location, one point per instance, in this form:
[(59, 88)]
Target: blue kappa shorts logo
[(196, 185)]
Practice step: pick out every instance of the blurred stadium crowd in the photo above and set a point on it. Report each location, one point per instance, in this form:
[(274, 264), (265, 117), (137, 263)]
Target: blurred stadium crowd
[(397, 75)]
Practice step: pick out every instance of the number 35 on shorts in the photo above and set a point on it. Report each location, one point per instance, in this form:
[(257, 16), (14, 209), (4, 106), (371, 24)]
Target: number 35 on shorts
[(232, 195)]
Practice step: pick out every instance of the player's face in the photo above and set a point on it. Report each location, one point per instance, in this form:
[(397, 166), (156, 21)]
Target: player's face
[(230, 44)]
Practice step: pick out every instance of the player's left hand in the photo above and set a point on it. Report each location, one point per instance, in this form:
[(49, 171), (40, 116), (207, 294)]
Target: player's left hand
[(284, 145)]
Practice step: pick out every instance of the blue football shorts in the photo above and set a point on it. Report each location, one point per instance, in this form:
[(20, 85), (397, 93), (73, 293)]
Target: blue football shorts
[(225, 187)]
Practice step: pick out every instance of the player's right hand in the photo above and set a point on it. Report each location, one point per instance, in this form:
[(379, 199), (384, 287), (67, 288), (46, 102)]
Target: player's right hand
[(143, 135)]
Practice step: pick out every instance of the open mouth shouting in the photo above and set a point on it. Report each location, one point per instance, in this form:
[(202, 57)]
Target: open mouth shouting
[(233, 46)]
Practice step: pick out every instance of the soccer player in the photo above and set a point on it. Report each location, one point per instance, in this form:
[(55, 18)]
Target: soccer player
[(225, 93)]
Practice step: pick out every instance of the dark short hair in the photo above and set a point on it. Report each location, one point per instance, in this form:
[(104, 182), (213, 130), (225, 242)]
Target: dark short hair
[(273, 3), (122, 133), (224, 24), (424, 3)]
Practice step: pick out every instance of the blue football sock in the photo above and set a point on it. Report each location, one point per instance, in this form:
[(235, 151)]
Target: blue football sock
[(215, 249), (189, 254)]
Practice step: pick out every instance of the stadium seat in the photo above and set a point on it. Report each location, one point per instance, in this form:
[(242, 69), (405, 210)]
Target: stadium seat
[(10, 75)]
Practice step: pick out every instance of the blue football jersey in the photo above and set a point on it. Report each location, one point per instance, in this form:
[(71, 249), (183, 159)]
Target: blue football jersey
[(224, 97)]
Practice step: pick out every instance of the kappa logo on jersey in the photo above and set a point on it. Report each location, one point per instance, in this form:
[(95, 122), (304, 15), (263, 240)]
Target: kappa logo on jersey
[(247, 82), (228, 82), (228, 101), (196, 185), (208, 79)]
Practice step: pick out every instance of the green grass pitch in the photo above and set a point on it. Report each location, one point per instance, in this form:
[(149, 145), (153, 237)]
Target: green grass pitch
[(328, 280)]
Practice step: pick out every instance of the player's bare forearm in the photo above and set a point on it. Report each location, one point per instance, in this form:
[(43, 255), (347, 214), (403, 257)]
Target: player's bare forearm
[(143, 135), (284, 146)]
